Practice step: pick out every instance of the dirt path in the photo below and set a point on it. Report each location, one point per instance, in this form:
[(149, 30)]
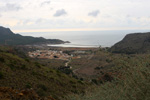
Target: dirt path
[(90, 57), (75, 71), (67, 63)]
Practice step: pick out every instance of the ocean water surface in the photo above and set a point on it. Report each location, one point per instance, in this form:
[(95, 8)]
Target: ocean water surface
[(85, 38)]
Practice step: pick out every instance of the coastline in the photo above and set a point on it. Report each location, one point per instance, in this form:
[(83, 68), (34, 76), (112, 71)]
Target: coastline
[(73, 48), (46, 47), (69, 45)]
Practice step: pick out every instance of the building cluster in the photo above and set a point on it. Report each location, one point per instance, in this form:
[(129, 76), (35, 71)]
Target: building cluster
[(49, 54)]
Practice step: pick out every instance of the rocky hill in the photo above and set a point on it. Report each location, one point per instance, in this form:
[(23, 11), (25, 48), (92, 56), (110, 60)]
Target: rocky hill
[(133, 43), (9, 38)]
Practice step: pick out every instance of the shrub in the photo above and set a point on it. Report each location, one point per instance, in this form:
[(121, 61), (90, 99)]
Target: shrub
[(41, 92), (81, 82), (94, 81), (2, 59), (37, 65), (72, 82), (23, 67), (81, 79), (12, 66), (1, 75), (67, 71), (98, 68), (27, 60), (75, 76), (28, 85), (43, 87), (34, 73), (108, 60)]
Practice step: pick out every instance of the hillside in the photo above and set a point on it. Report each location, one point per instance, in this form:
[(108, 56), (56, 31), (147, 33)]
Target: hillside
[(9, 38), (133, 43), (22, 74), (104, 75), (120, 76)]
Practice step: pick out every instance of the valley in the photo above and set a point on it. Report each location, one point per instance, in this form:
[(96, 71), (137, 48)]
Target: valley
[(41, 72)]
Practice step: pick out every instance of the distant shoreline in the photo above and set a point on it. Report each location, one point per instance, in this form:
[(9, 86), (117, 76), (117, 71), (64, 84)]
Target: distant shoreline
[(68, 45), (46, 47), (73, 48)]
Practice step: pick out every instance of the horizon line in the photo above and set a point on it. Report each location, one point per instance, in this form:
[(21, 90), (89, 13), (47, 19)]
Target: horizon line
[(78, 29)]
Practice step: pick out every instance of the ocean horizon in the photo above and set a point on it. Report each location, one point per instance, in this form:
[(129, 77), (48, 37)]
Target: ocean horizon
[(85, 38)]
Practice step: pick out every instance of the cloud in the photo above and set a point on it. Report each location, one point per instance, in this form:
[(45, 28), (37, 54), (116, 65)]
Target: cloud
[(45, 2), (0, 15), (25, 22), (60, 13), (40, 20), (94, 13), (10, 7)]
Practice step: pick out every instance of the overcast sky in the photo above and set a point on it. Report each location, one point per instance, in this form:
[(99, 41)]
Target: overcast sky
[(70, 15)]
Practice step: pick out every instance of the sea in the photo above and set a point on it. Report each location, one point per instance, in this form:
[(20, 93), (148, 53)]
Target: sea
[(85, 38)]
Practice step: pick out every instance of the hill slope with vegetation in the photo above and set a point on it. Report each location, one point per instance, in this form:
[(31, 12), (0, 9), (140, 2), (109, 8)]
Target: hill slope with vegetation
[(9, 38), (133, 43), (22, 73), (125, 77)]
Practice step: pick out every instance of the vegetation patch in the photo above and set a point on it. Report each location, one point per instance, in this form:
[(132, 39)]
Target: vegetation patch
[(1, 75)]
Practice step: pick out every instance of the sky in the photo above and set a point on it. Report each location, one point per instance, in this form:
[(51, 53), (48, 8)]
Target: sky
[(74, 15)]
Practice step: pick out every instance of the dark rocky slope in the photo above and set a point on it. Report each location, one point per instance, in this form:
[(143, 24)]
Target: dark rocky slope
[(133, 43)]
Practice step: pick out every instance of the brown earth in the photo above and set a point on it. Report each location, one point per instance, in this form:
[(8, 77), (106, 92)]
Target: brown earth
[(12, 94)]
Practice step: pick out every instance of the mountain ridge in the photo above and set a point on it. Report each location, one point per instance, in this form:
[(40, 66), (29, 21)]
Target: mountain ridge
[(10, 38), (5, 31)]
